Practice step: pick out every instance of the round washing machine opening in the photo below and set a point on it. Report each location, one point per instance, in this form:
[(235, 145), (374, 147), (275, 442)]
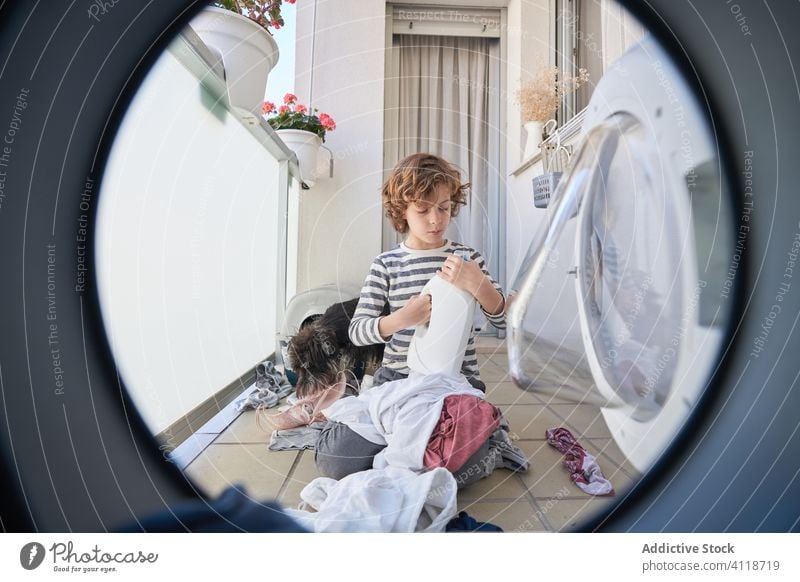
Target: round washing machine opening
[(188, 255)]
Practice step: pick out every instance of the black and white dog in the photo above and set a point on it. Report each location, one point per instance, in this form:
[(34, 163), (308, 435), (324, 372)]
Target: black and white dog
[(321, 350)]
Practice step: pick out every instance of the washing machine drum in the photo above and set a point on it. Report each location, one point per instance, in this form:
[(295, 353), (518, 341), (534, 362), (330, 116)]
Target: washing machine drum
[(651, 234)]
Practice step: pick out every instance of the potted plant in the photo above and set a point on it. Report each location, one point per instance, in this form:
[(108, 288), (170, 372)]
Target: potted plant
[(238, 34), (539, 99), (303, 131)]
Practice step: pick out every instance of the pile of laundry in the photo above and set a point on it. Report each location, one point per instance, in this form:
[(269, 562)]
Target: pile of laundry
[(429, 426)]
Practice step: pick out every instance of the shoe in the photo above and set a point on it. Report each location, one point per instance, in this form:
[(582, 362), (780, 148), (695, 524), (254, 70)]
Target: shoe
[(267, 376)]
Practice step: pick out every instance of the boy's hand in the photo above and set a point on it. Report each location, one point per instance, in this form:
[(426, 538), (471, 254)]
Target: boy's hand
[(465, 275), (417, 311)]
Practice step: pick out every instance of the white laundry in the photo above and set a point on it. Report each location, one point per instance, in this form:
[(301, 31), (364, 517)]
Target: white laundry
[(380, 500), (400, 414)]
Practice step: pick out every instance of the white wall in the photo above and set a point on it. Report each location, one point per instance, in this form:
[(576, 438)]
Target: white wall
[(340, 218), (528, 44), (186, 247), (554, 312)]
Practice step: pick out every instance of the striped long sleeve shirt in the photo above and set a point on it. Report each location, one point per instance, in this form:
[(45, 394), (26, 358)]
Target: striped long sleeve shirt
[(394, 277)]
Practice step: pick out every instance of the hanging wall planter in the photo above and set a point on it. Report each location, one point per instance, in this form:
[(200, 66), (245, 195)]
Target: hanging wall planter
[(305, 145), (247, 51), (303, 131)]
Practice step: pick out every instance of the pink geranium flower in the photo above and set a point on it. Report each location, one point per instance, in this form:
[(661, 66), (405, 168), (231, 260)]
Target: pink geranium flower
[(327, 121), (297, 116)]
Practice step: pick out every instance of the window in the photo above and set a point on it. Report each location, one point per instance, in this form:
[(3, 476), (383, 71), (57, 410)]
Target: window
[(591, 35), (566, 53)]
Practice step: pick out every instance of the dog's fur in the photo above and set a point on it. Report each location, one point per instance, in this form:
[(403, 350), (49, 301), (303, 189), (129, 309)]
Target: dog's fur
[(321, 350)]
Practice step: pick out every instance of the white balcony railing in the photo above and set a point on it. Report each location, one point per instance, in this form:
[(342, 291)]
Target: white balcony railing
[(194, 211)]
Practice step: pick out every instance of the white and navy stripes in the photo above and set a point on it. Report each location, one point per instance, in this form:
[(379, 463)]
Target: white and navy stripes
[(394, 277)]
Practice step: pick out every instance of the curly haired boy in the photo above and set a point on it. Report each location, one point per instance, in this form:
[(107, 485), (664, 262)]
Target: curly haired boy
[(421, 195)]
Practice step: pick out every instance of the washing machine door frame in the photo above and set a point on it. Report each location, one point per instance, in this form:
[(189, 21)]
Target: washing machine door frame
[(666, 499)]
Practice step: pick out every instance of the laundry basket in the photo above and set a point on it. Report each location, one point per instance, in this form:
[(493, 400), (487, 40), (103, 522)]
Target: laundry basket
[(305, 307)]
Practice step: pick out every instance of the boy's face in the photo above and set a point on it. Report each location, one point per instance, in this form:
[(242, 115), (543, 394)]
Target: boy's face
[(428, 220)]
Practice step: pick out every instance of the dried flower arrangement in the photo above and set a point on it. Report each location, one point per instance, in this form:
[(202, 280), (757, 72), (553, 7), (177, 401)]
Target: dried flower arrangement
[(540, 97)]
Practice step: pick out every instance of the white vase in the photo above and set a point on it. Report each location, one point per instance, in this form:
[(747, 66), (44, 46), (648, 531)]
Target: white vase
[(534, 131), (305, 145), (248, 53)]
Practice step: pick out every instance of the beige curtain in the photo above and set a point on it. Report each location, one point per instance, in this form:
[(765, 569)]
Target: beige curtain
[(443, 108)]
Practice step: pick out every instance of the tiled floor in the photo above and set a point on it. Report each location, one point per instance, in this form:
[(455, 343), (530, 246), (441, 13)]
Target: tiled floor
[(543, 499)]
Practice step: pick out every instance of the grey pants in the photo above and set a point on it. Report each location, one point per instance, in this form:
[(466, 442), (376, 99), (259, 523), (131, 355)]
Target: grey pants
[(340, 451)]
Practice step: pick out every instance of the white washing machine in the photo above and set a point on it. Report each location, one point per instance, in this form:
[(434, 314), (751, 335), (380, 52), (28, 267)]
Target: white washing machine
[(651, 227)]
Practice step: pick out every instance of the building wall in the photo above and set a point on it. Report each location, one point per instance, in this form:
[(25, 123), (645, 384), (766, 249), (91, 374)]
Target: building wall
[(528, 44), (339, 230)]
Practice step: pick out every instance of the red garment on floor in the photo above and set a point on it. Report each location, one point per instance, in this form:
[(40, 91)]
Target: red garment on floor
[(583, 467), (465, 424)]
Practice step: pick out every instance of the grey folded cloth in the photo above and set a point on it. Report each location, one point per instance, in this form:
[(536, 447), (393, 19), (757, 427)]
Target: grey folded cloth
[(270, 386), (260, 397), (303, 437)]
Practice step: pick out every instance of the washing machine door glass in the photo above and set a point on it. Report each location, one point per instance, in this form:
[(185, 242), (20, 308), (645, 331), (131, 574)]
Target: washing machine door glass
[(539, 359), (634, 250)]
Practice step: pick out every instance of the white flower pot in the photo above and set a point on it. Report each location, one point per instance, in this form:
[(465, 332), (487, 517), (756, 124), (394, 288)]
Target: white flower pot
[(248, 53), (305, 145), (534, 131)]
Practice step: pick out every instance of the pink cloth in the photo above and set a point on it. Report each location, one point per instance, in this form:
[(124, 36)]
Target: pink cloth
[(583, 467), (465, 424)]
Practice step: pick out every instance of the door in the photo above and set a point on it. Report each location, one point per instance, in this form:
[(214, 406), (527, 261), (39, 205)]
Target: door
[(443, 97)]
